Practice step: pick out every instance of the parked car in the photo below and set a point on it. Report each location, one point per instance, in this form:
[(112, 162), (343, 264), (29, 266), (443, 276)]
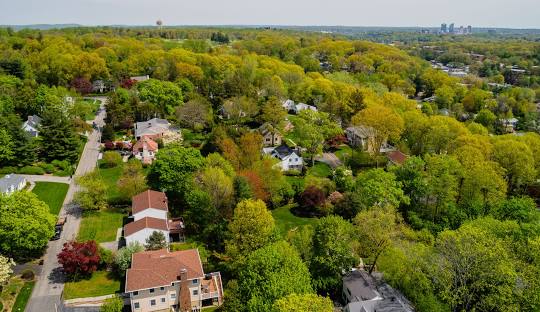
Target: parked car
[(58, 228)]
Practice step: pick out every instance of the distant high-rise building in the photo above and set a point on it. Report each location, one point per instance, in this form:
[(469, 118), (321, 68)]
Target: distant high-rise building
[(451, 28), (469, 29), (443, 28)]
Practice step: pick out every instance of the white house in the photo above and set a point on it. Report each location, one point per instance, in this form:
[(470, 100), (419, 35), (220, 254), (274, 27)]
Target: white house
[(12, 183), (140, 78), (140, 230), (289, 159), (145, 150), (31, 125), (289, 105)]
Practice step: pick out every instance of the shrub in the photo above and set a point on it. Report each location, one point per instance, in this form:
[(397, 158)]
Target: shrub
[(49, 168), (111, 159), (32, 170), (28, 274), (106, 258), (62, 164), (8, 170), (114, 304)]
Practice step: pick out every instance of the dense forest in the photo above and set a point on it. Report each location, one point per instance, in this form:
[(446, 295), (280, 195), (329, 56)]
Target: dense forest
[(454, 228)]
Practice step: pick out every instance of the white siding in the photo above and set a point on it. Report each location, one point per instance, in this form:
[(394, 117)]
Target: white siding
[(151, 212), (142, 235)]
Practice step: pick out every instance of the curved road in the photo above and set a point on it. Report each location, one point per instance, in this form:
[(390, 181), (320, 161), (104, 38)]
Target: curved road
[(47, 292)]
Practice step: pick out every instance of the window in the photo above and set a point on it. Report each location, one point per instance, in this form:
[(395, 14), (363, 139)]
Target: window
[(163, 300), (151, 290), (194, 281), (135, 293), (136, 305), (153, 302), (195, 292), (161, 288), (173, 296)]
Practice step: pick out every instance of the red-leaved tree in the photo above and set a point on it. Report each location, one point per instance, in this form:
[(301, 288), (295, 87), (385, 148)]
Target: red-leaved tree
[(311, 199), (256, 184), (82, 85), (79, 258)]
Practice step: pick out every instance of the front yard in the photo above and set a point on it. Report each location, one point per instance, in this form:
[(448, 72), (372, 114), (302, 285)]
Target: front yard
[(110, 176), (15, 294), (52, 194), (100, 226), (100, 284), (286, 221)]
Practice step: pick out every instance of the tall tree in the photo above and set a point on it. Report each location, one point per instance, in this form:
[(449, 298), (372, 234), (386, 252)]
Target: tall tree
[(132, 181), (79, 258), (58, 139), (303, 303), (387, 124), (93, 195), (312, 129), (156, 241)]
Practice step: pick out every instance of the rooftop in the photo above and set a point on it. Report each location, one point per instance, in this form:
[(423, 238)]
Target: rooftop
[(145, 223), (10, 180), (150, 269), (149, 199)]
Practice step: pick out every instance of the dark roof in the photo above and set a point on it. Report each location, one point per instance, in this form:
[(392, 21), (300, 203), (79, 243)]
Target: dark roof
[(149, 199), (145, 223), (360, 285), (150, 269), (283, 150)]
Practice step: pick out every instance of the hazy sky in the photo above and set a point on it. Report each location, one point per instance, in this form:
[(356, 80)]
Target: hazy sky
[(490, 13)]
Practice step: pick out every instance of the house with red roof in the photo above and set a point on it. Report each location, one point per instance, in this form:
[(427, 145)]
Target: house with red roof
[(145, 150), (161, 280), (150, 213)]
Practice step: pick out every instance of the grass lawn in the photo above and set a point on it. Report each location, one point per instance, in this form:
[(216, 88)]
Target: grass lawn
[(285, 220), (100, 226), (23, 296), (100, 284), (52, 194), (320, 170), (110, 177), (10, 293), (344, 152)]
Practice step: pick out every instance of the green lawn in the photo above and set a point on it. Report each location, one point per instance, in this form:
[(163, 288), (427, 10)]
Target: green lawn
[(344, 152), (100, 226), (285, 220), (100, 284), (86, 109), (23, 296), (52, 194), (110, 177), (320, 170)]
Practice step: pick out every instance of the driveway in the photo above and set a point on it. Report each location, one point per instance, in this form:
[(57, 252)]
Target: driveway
[(47, 292), (329, 159)]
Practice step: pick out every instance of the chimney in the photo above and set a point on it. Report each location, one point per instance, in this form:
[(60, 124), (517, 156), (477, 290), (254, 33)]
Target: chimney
[(184, 301)]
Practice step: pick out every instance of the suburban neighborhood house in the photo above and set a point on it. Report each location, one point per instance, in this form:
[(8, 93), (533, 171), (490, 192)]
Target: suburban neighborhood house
[(31, 125), (396, 157), (271, 136), (140, 78), (11, 183), (145, 150), (289, 158), (156, 128), (149, 211), (161, 280), (361, 136), (362, 293), (290, 106)]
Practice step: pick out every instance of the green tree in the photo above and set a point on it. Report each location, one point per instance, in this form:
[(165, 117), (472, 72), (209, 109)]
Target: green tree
[(114, 304), (196, 114), (376, 229), (219, 186), (156, 241), (26, 224), (163, 94), (333, 243), (379, 189), (387, 124), (132, 181), (270, 273), (111, 159), (303, 303), (251, 228), (273, 113), (58, 139), (124, 256), (486, 118), (93, 195), (173, 171), (6, 147), (516, 158), (312, 129)]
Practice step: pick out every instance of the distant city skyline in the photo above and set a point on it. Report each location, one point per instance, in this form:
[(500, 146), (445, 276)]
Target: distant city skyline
[(390, 13)]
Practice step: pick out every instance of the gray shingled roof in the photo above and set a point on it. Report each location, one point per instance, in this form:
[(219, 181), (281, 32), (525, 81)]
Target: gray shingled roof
[(10, 180)]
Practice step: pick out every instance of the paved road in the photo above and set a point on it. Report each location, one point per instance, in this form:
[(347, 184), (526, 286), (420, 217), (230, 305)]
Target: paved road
[(50, 282)]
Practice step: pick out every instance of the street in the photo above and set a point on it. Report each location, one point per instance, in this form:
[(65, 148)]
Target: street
[(50, 283)]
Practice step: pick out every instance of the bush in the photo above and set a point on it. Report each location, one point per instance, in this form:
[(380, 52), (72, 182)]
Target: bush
[(111, 159), (106, 258), (114, 304), (62, 164), (8, 170), (49, 168), (28, 274), (32, 170)]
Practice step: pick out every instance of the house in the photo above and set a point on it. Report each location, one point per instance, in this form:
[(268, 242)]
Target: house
[(289, 158), (509, 124), (154, 128), (98, 86), (11, 183), (271, 136), (363, 293), (149, 211), (296, 108), (396, 157), (145, 150), (31, 125), (140, 78), (171, 281), (362, 137)]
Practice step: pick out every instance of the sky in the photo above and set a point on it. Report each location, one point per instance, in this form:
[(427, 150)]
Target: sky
[(406, 13)]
